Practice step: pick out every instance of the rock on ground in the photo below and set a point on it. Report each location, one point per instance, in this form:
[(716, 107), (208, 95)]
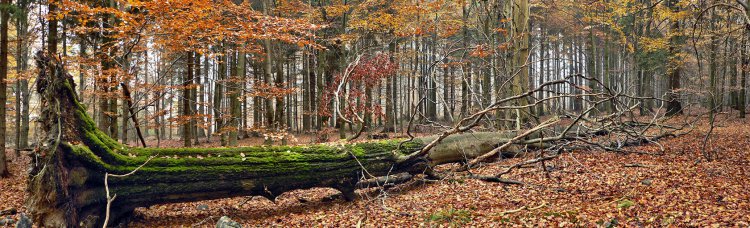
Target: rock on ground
[(226, 222), (23, 222)]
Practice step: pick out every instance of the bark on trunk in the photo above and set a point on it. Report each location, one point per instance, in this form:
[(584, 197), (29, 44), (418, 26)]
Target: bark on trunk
[(3, 86), (674, 107), (66, 187)]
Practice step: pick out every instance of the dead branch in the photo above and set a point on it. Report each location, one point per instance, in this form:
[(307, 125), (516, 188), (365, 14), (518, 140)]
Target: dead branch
[(110, 199)]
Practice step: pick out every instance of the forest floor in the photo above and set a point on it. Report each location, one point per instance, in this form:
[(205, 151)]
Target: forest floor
[(588, 188)]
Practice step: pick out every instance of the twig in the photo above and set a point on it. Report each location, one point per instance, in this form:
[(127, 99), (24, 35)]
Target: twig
[(495, 179), (9, 211), (126, 92), (110, 199), (203, 221), (637, 165), (544, 204), (527, 162)]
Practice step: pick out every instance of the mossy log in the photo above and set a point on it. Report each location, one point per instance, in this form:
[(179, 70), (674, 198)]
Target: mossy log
[(66, 183)]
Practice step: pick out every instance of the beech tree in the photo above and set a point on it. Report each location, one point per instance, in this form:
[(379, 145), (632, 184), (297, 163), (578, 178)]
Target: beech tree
[(23, 95), (674, 107)]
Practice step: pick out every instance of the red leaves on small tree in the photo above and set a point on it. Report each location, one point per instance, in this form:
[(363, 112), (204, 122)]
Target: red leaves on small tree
[(367, 74)]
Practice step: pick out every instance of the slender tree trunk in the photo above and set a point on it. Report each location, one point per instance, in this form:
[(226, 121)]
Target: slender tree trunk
[(146, 96), (124, 108), (52, 27), (103, 89), (306, 108), (187, 104), (22, 84), (193, 102), (713, 91), (182, 97), (579, 60), (170, 102), (320, 79), (206, 96), (466, 71), (723, 66), (244, 130), (158, 106), (199, 97), (744, 67), (390, 107), (733, 74), (591, 68), (607, 71), (268, 75), (542, 70), (129, 102), (648, 75), (234, 99), (638, 67), (107, 101), (446, 93), (520, 29), (83, 49), (674, 107), (219, 97), (257, 103), (4, 17), (279, 122), (452, 101), (314, 80)]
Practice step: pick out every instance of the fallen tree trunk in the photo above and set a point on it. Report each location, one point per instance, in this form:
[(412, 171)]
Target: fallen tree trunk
[(66, 183)]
